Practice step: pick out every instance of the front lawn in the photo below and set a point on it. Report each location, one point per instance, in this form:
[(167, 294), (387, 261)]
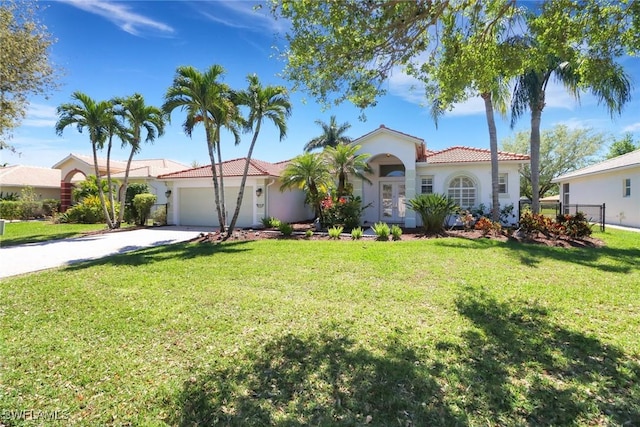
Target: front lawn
[(20, 233), (438, 332)]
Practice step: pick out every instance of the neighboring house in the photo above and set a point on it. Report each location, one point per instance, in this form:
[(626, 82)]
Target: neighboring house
[(141, 171), (191, 199), (615, 182), (44, 181), (403, 167)]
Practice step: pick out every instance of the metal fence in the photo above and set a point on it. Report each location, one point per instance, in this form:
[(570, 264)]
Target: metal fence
[(594, 213)]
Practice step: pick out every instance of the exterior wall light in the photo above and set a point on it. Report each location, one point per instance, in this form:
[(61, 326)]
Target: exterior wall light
[(259, 192)]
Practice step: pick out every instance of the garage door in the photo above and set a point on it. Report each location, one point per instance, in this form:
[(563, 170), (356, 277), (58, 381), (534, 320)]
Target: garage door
[(197, 207)]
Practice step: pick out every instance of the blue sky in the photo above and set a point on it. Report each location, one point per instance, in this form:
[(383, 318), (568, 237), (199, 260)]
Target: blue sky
[(109, 49)]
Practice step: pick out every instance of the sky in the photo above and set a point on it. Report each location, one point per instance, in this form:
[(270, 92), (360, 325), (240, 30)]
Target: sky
[(116, 48)]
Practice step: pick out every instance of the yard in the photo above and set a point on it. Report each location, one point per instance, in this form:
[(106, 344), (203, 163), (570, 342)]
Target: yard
[(23, 232), (291, 332)]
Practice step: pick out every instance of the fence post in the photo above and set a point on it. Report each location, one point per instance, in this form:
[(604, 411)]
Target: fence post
[(603, 213)]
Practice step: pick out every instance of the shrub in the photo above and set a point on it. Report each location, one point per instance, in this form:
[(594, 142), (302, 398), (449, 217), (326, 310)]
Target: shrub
[(335, 231), (357, 233), (344, 210), (9, 196), (487, 226), (10, 209), (89, 211), (159, 216), (575, 226), (308, 234), (396, 232), (50, 207), (382, 231), (433, 210), (535, 223), (130, 212), (270, 222), (285, 228), (142, 204)]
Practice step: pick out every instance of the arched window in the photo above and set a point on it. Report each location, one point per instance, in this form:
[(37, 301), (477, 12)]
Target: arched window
[(462, 191)]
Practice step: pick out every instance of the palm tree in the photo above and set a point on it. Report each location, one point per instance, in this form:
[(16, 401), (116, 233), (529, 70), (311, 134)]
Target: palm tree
[(96, 117), (308, 172), (343, 161), (200, 94), (137, 115), (332, 135), (529, 94), (270, 103)]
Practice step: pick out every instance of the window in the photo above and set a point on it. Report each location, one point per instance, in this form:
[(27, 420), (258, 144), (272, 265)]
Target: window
[(462, 191), (427, 185), (391, 170), (626, 189), (502, 183)]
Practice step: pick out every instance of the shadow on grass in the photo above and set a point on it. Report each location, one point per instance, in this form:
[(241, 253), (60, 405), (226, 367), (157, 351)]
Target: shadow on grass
[(520, 367), (177, 251), (612, 259), (323, 379), (42, 239)]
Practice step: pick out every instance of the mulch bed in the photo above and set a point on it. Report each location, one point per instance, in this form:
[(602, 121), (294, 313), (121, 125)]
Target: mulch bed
[(408, 234)]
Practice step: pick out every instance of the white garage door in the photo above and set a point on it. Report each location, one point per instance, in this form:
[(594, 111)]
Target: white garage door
[(197, 207)]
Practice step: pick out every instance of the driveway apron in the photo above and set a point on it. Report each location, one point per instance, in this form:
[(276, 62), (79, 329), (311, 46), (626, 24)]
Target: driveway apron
[(32, 257)]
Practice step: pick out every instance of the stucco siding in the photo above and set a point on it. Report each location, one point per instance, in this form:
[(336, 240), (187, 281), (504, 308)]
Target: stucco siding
[(41, 193), (608, 188), (288, 205)]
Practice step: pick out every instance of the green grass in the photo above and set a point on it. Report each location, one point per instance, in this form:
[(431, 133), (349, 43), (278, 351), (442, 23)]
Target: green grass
[(20, 233), (437, 332)]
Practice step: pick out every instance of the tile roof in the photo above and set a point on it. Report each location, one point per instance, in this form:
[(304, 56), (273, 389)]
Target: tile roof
[(231, 168), (154, 166), (21, 175), (624, 161), (460, 154)]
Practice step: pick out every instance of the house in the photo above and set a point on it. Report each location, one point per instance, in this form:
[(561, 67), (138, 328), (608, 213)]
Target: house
[(141, 171), (191, 199), (402, 167), (44, 181), (614, 182)]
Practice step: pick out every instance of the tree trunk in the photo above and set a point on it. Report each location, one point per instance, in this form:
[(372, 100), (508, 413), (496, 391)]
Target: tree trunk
[(536, 115), (493, 145), (236, 212), (109, 184), (99, 183), (216, 194), (223, 205), (125, 184)]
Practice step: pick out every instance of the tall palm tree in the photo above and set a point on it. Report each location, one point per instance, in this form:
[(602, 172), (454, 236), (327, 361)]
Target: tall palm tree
[(95, 117), (138, 116), (343, 161), (114, 128), (308, 172), (332, 135), (529, 94), (199, 94), (270, 103)]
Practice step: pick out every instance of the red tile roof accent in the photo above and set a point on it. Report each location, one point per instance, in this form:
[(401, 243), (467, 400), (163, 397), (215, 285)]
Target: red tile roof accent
[(460, 154), (230, 168)]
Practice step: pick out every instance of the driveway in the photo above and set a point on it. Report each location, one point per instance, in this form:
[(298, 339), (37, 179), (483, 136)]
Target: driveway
[(56, 253)]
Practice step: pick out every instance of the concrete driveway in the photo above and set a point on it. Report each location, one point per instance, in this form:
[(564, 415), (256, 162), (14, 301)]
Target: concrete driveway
[(56, 253)]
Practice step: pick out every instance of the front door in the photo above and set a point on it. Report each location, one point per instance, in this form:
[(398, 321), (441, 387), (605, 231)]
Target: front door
[(392, 202)]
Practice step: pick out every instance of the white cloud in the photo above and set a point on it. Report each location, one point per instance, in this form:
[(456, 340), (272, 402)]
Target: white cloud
[(632, 127), (246, 15), (121, 15), (40, 115)]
